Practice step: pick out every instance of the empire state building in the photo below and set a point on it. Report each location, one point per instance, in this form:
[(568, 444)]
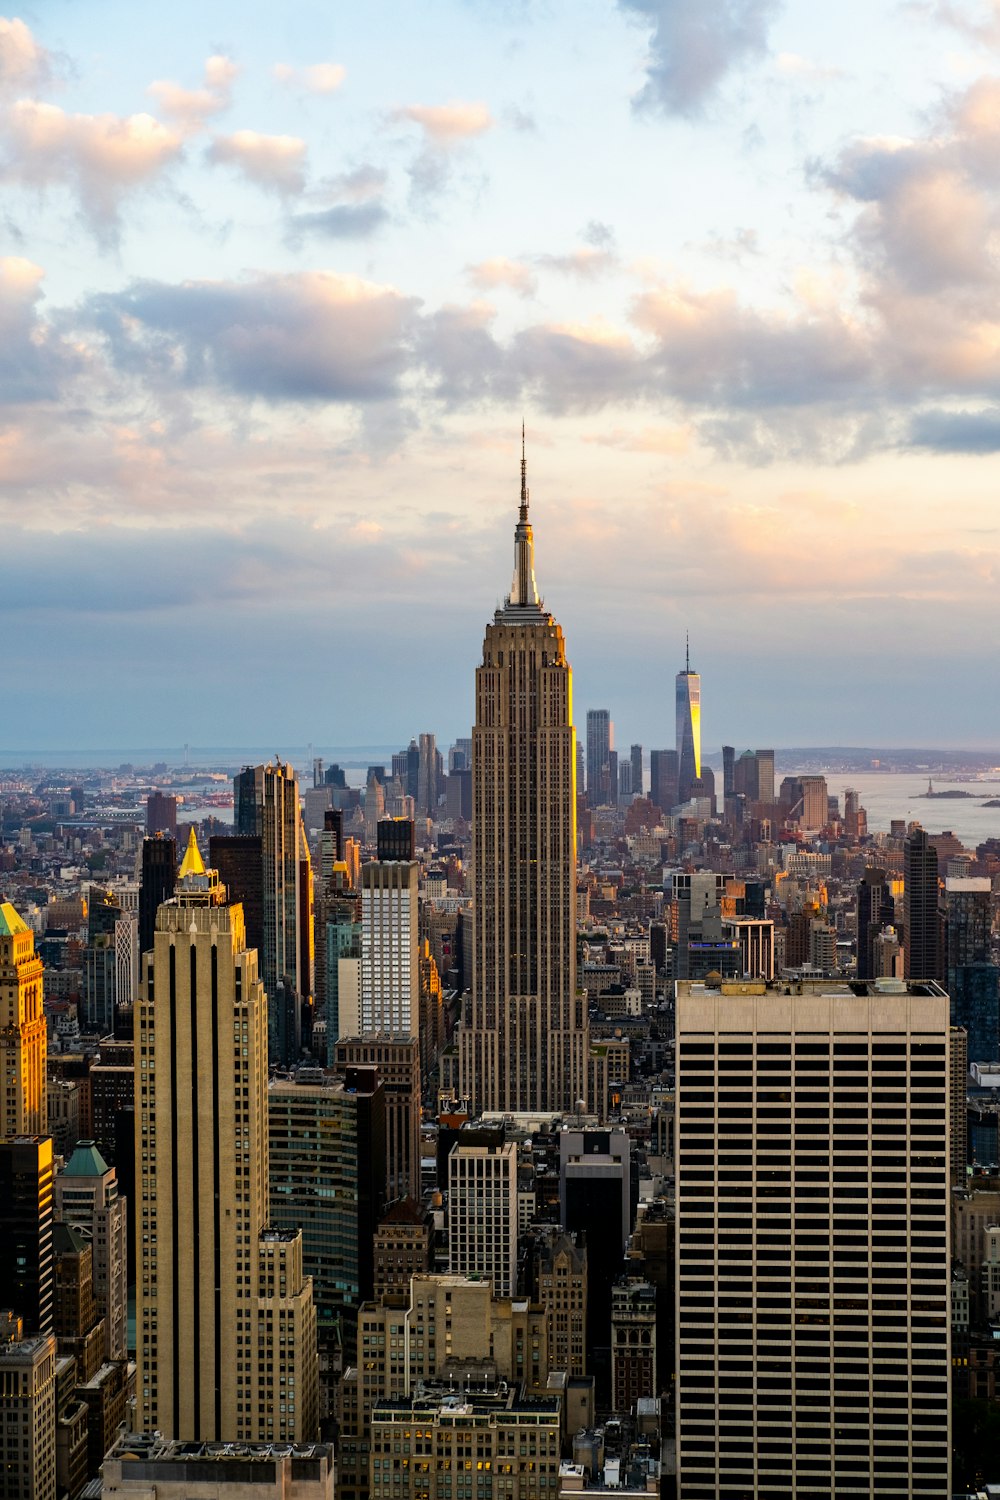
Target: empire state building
[(524, 1042)]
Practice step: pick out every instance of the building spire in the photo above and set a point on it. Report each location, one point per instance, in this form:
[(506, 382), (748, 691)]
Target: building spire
[(687, 651), (523, 590)]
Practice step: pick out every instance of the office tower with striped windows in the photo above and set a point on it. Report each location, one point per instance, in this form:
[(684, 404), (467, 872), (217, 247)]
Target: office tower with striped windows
[(23, 1032), (922, 932), (226, 1329), (813, 1277), (482, 1211), (524, 1041), (600, 741)]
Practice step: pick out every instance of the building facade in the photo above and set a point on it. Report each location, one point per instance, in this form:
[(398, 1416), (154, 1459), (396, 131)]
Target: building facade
[(482, 1213), (813, 1281), (23, 1032), (523, 1045), (216, 1292)]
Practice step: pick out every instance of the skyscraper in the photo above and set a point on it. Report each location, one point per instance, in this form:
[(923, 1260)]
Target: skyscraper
[(922, 936), (427, 777), (266, 806), (156, 883), (635, 756), (215, 1286), (813, 1287), (23, 1035), (390, 976), (87, 1197), (26, 1266), (524, 1042), (663, 784), (482, 1212), (876, 911), (688, 721), (973, 981), (600, 738)]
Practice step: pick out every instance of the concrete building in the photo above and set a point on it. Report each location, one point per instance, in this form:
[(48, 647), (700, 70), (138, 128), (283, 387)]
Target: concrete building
[(559, 1284), (523, 1043), (398, 1061), (489, 1432), (28, 1419), (840, 1205), (633, 1343), (390, 973), (139, 1467), (23, 1031), (87, 1198), (402, 1249), (216, 1292), (482, 1213)]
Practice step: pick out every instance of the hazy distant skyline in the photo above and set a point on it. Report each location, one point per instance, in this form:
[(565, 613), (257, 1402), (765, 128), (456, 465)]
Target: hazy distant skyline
[(278, 285)]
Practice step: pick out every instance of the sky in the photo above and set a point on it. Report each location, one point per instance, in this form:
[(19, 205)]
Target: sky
[(279, 283)]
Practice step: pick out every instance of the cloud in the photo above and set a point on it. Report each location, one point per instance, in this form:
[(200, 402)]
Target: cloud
[(488, 275), (348, 206), (341, 221), (446, 125), (307, 336), (190, 108), (578, 367), (693, 46), (24, 63), (804, 69), (98, 158), (273, 162), (980, 21), (669, 441), (34, 360), (316, 78), (976, 432), (587, 263)]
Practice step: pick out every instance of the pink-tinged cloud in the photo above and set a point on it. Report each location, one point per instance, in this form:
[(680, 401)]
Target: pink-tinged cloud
[(190, 108), (98, 158), (34, 359), (446, 125), (273, 162), (316, 78), (488, 275), (24, 63), (300, 337)]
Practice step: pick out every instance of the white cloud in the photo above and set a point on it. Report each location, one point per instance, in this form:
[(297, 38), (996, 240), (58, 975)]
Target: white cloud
[(24, 63), (273, 162), (190, 108), (446, 125), (487, 275), (316, 78)]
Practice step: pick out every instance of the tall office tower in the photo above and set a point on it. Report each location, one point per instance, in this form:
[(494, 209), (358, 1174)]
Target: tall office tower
[(829, 1224), (635, 756), (374, 810), (327, 1178), (600, 739), (624, 780), (876, 912), (342, 931), (728, 771), (398, 1061), (427, 777), (855, 816), (28, 1408), (482, 1213), (687, 699), (87, 1199), (156, 883), (595, 1200), (664, 791), (26, 1268), (211, 1303), (390, 974), (698, 897), (972, 981), (266, 806), (161, 814), (922, 934), (958, 1100), (23, 1032), (525, 1043), (110, 961)]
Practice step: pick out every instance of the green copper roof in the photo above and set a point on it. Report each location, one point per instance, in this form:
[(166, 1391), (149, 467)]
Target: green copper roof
[(10, 922), (86, 1161)]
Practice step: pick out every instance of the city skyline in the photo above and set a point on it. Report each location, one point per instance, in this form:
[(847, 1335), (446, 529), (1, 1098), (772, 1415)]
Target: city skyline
[(277, 302)]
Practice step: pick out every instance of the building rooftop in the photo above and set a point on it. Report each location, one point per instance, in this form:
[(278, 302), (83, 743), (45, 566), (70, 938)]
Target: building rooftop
[(86, 1161), (10, 922), (153, 1447), (817, 987)]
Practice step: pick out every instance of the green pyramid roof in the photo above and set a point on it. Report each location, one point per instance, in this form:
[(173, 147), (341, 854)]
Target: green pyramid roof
[(10, 922), (86, 1161)]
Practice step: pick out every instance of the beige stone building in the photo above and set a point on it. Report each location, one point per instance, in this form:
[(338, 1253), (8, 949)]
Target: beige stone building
[(225, 1324), (23, 1033), (152, 1468), (524, 1040), (28, 1419)]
